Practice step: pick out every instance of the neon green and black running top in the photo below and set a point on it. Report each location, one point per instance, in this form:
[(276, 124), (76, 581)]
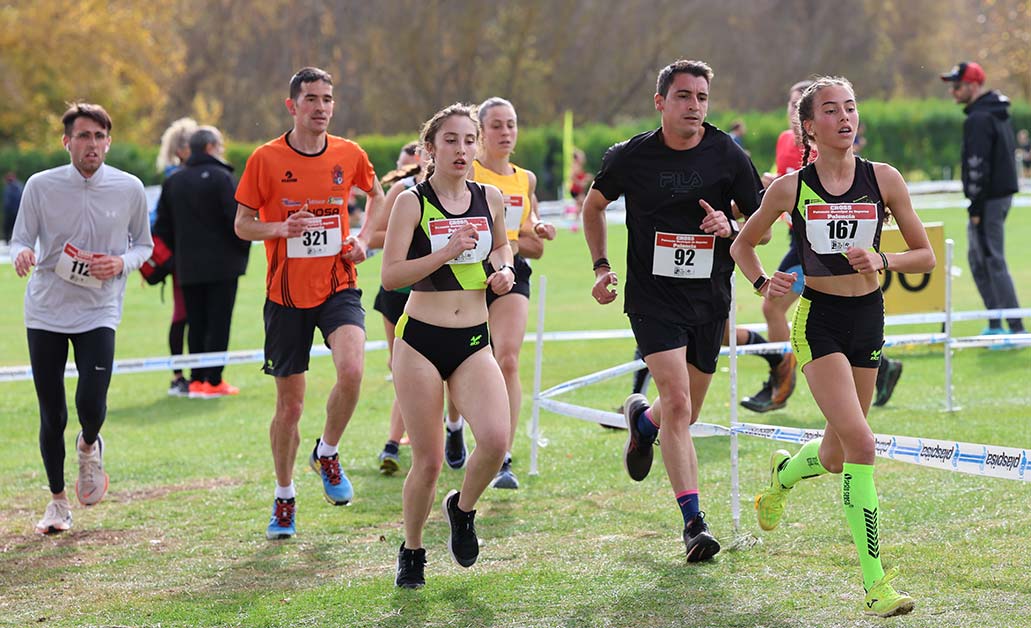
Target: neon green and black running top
[(465, 272), (824, 226)]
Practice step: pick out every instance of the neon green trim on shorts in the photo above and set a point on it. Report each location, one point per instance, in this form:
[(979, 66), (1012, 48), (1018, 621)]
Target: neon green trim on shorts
[(799, 342)]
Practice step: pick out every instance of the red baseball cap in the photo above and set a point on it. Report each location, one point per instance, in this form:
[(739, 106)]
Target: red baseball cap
[(965, 72)]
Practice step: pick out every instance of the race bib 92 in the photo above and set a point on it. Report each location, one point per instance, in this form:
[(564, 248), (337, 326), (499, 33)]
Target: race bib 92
[(683, 255)]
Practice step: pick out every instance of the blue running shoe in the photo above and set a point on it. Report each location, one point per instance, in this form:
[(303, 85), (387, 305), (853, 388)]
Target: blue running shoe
[(336, 488), (284, 520)]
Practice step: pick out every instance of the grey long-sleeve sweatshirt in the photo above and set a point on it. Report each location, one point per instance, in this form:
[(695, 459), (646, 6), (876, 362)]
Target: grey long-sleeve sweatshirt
[(105, 213)]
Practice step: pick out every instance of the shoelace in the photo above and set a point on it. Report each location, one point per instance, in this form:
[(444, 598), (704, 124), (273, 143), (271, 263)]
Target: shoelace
[(91, 466), (464, 520), (54, 511), (284, 514), (331, 469), (697, 525)]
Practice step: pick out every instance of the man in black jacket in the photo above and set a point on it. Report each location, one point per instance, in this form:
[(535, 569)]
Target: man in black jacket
[(196, 213), (989, 181)]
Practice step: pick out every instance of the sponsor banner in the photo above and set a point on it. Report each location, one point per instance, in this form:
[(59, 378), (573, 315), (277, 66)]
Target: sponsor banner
[(995, 461), (907, 293)]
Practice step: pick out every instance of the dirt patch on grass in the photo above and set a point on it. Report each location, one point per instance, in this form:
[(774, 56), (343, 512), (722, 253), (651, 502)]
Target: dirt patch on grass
[(158, 492)]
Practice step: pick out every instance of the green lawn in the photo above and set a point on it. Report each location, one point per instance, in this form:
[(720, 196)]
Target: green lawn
[(179, 541)]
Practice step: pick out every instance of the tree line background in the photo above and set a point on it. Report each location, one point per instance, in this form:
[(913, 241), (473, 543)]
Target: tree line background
[(395, 62)]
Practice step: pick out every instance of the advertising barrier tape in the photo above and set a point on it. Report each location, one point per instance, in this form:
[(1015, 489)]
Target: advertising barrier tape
[(223, 358), (1009, 463)]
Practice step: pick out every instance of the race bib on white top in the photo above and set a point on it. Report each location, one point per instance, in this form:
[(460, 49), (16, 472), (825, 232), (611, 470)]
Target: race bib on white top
[(441, 230), (833, 228), (683, 255), (321, 238), (73, 266), (513, 212)]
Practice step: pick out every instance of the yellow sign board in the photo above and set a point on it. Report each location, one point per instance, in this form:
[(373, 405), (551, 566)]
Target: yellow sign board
[(912, 293)]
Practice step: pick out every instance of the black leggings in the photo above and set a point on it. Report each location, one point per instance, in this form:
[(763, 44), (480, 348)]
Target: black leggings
[(94, 358)]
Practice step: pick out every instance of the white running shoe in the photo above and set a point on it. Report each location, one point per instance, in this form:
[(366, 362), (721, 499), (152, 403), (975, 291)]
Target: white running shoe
[(91, 486), (56, 518)]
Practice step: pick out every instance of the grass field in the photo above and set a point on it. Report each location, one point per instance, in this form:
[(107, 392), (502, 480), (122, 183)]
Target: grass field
[(179, 541)]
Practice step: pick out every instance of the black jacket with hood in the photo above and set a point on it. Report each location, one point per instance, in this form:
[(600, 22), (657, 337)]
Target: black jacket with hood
[(989, 162), (196, 215)]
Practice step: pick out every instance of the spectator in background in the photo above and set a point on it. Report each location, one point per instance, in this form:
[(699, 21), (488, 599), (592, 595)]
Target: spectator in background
[(579, 183), (737, 133), (1024, 152), (859, 142), (196, 215), (12, 198), (174, 151), (989, 182)]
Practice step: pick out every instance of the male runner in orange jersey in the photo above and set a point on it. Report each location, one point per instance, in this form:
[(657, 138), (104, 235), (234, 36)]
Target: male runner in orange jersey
[(292, 195)]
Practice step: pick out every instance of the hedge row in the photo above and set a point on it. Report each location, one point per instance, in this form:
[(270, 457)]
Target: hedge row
[(921, 138)]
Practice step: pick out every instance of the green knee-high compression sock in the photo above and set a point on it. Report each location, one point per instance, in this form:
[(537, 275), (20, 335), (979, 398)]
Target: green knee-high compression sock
[(859, 498), (805, 464)]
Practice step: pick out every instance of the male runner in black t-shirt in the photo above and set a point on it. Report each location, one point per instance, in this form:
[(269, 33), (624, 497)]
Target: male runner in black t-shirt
[(679, 181)]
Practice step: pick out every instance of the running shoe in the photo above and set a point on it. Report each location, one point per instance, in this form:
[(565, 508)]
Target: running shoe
[(91, 486), (769, 504), (389, 462), (883, 600), (179, 387), (56, 518), (336, 488), (410, 568), (993, 331), (462, 543), (505, 478), (198, 390), (283, 523), (222, 389), (637, 455), (699, 543), (761, 401), (454, 448), (777, 389), (887, 376)]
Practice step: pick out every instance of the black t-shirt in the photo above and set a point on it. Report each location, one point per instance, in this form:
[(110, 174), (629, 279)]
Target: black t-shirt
[(662, 187)]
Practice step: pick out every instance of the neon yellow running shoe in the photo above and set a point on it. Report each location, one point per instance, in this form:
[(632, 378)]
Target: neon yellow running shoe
[(769, 504), (884, 601)]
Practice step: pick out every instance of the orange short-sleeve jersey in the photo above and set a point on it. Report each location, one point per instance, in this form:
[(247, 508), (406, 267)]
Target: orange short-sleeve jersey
[(277, 182)]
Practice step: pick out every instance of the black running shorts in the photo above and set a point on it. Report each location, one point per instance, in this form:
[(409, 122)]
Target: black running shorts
[(826, 324), (289, 330), (522, 280), (445, 347), (702, 341)]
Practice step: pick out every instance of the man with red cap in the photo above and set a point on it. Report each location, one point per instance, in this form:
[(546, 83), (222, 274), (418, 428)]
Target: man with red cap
[(989, 172)]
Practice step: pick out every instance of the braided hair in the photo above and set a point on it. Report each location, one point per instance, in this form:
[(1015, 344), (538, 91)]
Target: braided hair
[(432, 126), (806, 107)]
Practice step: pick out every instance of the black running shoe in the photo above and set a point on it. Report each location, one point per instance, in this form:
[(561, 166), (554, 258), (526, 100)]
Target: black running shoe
[(887, 376), (454, 448), (462, 543), (699, 543), (505, 478), (410, 568), (637, 454)]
